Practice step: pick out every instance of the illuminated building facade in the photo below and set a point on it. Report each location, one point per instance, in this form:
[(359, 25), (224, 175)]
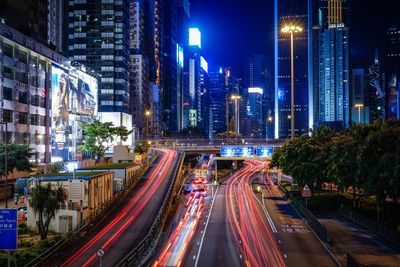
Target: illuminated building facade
[(43, 98), (331, 64), (217, 92), (299, 12)]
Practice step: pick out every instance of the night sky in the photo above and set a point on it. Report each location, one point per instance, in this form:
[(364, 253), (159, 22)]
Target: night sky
[(232, 30)]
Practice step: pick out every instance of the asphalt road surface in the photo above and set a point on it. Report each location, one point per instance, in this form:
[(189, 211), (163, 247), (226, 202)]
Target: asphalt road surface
[(251, 224), (128, 224)]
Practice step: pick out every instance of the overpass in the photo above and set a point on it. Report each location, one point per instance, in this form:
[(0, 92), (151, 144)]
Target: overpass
[(216, 149)]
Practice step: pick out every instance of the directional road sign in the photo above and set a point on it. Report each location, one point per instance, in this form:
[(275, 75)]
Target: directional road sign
[(8, 229)]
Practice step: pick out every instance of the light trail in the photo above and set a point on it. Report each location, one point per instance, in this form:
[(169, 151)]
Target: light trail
[(128, 215), (178, 242), (247, 220)]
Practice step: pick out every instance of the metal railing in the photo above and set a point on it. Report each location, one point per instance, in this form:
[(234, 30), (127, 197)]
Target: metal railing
[(138, 253), (381, 230), (95, 218), (351, 261), (313, 222)]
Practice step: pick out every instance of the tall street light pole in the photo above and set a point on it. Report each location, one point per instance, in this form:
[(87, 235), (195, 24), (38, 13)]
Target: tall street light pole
[(5, 162), (236, 98), (359, 106), (147, 123), (292, 29)]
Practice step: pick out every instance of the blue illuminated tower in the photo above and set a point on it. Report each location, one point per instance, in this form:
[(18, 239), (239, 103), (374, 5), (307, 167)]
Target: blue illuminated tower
[(298, 12)]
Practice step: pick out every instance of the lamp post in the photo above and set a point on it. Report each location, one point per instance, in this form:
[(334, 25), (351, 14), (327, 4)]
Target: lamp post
[(236, 98), (147, 113), (292, 29), (5, 162), (359, 106)]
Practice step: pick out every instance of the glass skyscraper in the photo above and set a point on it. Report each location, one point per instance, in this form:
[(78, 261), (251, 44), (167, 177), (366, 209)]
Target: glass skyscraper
[(286, 12)]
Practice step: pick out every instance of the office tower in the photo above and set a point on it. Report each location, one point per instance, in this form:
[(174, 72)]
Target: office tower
[(57, 25), (254, 113), (330, 58), (376, 90), (392, 71), (360, 107), (26, 16), (287, 12), (257, 74), (139, 69), (217, 102), (98, 37)]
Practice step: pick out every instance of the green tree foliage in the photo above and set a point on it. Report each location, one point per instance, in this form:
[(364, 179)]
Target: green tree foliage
[(365, 158), (100, 136), (17, 158), (45, 201)]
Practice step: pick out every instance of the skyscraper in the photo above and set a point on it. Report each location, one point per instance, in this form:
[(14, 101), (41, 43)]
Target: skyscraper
[(26, 16), (258, 74), (294, 11), (217, 102), (360, 108), (98, 37), (139, 67), (332, 93)]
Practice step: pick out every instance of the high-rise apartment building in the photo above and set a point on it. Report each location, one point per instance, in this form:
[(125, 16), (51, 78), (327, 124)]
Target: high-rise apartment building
[(293, 12)]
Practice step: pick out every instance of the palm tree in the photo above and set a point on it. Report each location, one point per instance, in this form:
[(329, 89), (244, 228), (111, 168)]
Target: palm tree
[(45, 201)]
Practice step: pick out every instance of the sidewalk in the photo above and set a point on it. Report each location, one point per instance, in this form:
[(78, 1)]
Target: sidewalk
[(11, 204), (367, 247)]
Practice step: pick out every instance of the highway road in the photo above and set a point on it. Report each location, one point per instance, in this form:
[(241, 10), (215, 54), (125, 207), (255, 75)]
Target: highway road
[(250, 228), (129, 223)]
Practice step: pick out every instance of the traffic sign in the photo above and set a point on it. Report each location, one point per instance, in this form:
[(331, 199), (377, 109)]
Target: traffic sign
[(100, 253), (306, 192), (8, 229)]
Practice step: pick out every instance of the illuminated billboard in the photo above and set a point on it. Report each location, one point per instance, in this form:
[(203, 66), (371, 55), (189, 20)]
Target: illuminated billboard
[(237, 151), (204, 64), (256, 90), (179, 55), (194, 37), (264, 151), (73, 100)]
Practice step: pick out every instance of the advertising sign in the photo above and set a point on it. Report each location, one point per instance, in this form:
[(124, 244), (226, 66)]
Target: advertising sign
[(74, 100), (264, 151), (8, 229)]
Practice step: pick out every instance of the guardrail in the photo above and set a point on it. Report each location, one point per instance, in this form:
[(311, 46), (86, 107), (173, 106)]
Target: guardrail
[(313, 222), (135, 256), (382, 230), (96, 218), (352, 261)]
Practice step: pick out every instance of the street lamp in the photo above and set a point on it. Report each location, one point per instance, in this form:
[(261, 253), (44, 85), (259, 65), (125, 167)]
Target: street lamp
[(292, 29), (147, 113), (236, 98), (5, 162), (359, 106)]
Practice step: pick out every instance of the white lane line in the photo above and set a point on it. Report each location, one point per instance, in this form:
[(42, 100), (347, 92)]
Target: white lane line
[(271, 223), (205, 229)]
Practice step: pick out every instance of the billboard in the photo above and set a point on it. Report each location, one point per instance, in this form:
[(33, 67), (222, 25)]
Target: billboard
[(179, 55), (264, 151), (237, 151), (194, 37), (73, 100)]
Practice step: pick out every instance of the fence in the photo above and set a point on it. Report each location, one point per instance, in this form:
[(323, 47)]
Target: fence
[(351, 260), (382, 230), (95, 219), (136, 256), (318, 228)]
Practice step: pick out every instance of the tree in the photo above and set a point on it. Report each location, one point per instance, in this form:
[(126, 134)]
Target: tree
[(45, 201), (17, 158), (100, 136)]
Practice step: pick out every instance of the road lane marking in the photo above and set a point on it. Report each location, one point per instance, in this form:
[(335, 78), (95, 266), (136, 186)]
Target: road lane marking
[(271, 223), (205, 229)]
